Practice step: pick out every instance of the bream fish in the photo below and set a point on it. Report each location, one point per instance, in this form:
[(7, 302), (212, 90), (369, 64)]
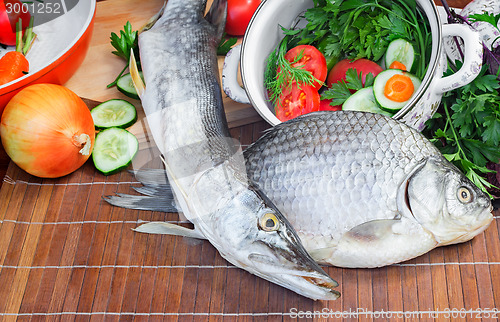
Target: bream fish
[(183, 104), (360, 189)]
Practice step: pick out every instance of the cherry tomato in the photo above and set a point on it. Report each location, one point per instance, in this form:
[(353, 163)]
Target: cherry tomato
[(239, 13), (10, 12), (362, 65), (324, 105), (295, 101), (312, 60)]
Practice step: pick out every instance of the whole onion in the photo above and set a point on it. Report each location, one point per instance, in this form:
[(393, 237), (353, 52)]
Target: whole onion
[(47, 130)]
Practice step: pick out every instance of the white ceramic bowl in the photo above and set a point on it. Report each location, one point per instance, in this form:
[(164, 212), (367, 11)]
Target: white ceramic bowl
[(264, 33)]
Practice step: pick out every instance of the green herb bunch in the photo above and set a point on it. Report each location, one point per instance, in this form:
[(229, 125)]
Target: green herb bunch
[(466, 127), (123, 45), (363, 29)]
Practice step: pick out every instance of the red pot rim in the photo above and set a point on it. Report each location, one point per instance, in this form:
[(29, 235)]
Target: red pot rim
[(23, 81)]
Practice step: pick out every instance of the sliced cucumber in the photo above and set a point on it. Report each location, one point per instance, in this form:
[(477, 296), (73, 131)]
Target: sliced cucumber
[(402, 51), (363, 101), (379, 89), (126, 86), (114, 113), (114, 149)]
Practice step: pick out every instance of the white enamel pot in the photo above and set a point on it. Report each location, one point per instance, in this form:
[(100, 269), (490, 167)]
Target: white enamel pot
[(264, 33)]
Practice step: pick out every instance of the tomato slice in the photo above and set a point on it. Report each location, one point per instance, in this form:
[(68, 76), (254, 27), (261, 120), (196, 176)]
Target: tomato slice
[(324, 105), (295, 101), (362, 65), (311, 59)]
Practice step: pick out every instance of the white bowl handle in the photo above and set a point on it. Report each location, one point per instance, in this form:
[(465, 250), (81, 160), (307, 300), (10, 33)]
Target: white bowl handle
[(230, 76), (473, 58)]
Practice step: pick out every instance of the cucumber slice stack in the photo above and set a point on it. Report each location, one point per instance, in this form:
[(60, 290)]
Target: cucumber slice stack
[(114, 147)]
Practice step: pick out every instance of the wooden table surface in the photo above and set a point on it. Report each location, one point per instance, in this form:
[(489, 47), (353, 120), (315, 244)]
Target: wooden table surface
[(67, 255)]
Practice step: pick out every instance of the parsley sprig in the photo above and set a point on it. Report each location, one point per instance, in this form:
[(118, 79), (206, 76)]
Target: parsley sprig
[(339, 92), (124, 44), (225, 45), (466, 128)]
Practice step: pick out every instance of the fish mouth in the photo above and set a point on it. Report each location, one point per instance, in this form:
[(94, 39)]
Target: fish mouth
[(304, 277), (479, 228), (326, 284)]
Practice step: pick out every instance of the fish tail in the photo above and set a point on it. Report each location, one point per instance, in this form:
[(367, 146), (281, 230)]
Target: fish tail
[(157, 194)]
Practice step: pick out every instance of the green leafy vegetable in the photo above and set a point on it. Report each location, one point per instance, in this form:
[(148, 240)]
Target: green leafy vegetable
[(340, 92), (225, 45), (124, 44), (486, 17), (364, 28), (466, 129)]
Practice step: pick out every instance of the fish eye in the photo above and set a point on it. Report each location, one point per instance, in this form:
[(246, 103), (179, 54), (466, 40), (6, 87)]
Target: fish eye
[(464, 195), (269, 222)]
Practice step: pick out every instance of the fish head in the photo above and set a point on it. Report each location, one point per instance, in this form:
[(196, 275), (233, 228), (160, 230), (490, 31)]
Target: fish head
[(447, 203), (259, 239)]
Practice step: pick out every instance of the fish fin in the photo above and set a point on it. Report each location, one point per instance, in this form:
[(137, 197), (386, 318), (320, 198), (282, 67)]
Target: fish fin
[(148, 203), (377, 243), (150, 23), (151, 177), (156, 193), (163, 228), (139, 85), (402, 201), (217, 16)]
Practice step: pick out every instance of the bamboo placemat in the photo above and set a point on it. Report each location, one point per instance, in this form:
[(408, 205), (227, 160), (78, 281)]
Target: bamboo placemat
[(66, 254)]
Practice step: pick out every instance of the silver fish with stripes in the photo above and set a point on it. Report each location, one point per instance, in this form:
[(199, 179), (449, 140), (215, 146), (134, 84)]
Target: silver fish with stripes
[(183, 104)]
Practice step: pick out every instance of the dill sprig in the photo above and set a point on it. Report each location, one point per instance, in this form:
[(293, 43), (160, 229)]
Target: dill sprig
[(276, 82)]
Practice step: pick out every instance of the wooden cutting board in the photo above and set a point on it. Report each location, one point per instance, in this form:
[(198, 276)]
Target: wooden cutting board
[(101, 67)]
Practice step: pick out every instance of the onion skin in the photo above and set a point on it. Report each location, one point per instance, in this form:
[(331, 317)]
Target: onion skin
[(44, 127)]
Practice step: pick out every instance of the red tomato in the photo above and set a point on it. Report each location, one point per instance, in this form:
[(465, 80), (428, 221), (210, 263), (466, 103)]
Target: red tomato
[(239, 13), (294, 102), (362, 65), (312, 60), (10, 12), (324, 105)]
